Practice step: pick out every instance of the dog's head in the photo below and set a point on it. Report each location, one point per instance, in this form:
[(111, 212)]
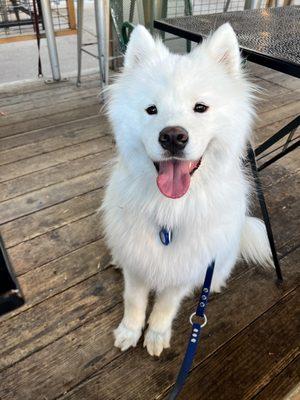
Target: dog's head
[(171, 113)]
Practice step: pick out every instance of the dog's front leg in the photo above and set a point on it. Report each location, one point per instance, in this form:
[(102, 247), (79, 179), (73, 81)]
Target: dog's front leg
[(135, 303), (158, 334)]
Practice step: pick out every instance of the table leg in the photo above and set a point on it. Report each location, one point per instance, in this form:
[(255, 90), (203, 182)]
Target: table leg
[(264, 210)]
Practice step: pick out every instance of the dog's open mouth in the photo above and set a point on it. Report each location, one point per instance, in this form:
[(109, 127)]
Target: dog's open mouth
[(174, 176)]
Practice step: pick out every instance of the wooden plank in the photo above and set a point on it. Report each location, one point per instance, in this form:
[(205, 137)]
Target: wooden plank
[(59, 96), (23, 102), (258, 70), (38, 89), (32, 36), (268, 87), (34, 86), (79, 112), (285, 111), (56, 243), (282, 199), (89, 346), (282, 80), (253, 358), (261, 72), (263, 133), (50, 110), (290, 162), (71, 128), (61, 274), (48, 219), (280, 170), (270, 100), (52, 158), (43, 198), (43, 92), (97, 336), (19, 38), (54, 318), (50, 176), (63, 140), (66, 32), (71, 14), (283, 384)]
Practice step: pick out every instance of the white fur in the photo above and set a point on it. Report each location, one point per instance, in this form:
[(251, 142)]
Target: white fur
[(254, 242), (210, 220)]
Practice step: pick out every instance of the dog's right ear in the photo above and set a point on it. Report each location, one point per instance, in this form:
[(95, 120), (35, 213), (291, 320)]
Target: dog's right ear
[(224, 48), (140, 46)]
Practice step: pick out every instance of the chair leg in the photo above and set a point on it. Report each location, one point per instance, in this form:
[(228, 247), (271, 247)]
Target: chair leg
[(102, 17), (79, 39), (264, 210), (188, 10)]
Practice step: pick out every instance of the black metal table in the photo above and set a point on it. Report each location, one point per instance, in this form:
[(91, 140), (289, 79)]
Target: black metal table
[(269, 37)]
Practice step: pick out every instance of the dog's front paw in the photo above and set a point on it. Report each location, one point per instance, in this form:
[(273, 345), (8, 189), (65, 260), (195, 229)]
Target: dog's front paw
[(125, 337), (157, 341)]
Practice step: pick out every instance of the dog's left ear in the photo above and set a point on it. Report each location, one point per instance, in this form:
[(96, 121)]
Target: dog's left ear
[(223, 46)]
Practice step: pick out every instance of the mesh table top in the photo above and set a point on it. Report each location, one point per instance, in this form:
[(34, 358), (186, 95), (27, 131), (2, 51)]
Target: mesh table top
[(270, 36)]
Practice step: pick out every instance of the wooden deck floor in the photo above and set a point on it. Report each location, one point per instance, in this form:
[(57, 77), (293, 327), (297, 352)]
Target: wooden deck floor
[(59, 345)]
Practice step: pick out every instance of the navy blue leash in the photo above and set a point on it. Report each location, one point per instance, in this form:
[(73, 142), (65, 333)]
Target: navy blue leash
[(195, 334)]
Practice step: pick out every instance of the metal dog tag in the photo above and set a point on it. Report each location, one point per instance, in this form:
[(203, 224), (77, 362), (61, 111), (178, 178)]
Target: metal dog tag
[(165, 236)]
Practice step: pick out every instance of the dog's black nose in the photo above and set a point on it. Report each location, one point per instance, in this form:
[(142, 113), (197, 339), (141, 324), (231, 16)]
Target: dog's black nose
[(173, 138)]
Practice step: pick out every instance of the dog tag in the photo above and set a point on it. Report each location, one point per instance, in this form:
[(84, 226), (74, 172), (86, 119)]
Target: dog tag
[(165, 236)]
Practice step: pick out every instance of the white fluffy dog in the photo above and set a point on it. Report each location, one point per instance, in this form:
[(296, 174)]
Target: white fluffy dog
[(181, 124)]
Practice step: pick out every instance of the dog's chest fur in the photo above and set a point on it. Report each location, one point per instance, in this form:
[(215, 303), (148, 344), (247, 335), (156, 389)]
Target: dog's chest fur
[(205, 224)]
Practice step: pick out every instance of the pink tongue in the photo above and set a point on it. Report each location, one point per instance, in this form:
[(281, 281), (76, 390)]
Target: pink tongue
[(173, 178)]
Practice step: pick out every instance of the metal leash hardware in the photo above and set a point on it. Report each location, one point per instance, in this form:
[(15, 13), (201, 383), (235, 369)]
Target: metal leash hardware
[(195, 334)]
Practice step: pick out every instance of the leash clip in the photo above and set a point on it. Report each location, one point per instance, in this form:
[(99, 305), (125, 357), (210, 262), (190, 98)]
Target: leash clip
[(201, 325)]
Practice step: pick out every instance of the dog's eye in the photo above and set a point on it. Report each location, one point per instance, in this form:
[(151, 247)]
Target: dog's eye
[(200, 108), (151, 110)]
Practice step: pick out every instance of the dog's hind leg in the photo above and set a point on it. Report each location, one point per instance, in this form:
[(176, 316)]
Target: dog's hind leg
[(135, 303), (158, 334)]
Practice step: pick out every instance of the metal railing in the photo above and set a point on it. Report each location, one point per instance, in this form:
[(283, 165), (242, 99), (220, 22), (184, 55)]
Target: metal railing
[(18, 18)]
